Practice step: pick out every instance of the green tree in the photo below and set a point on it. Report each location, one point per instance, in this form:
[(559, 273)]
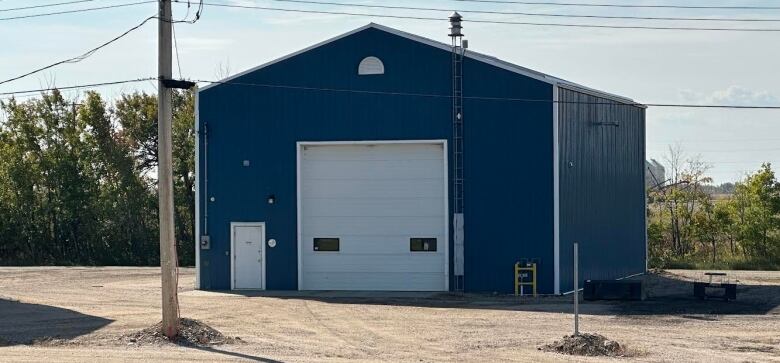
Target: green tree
[(78, 180), (757, 205), (137, 115), (50, 180), (712, 225), (183, 135), (127, 208)]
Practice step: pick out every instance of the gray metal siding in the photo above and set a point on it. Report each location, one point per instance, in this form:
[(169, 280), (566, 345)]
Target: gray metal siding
[(602, 195)]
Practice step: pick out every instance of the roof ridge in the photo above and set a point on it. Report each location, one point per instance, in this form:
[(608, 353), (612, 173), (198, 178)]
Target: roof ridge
[(498, 62), (488, 59)]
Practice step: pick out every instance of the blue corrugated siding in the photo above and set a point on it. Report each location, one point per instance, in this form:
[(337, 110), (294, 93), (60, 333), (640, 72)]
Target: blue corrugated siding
[(508, 149), (508, 178), (601, 187)]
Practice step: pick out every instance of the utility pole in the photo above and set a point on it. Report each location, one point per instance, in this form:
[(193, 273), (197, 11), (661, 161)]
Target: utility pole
[(170, 300)]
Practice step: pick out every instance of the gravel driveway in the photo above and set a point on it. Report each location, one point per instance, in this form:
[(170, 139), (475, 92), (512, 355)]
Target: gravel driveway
[(76, 314)]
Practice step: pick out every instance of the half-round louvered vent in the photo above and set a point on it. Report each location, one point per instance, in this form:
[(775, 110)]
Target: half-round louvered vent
[(371, 65)]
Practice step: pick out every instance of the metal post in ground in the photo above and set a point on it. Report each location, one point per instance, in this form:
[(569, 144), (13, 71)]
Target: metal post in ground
[(576, 292)]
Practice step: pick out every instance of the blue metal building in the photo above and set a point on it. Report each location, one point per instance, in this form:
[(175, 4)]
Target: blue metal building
[(335, 168)]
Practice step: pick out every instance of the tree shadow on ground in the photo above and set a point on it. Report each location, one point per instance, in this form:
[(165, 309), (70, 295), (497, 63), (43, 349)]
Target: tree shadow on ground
[(25, 323), (666, 295)]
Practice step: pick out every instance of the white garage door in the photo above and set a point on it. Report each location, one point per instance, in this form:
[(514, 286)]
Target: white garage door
[(373, 217)]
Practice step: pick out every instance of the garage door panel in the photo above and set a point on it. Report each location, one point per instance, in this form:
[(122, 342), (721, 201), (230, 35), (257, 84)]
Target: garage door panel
[(372, 152), (374, 189), (374, 199), (385, 244), (389, 281), (334, 226), (385, 207), (372, 169), (359, 263)]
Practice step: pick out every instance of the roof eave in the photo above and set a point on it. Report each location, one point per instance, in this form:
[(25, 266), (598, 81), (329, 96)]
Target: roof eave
[(594, 92), (469, 54), (277, 60)]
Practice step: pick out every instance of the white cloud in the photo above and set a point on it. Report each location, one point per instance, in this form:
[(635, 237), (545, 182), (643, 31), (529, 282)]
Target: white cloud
[(743, 96), (733, 95)]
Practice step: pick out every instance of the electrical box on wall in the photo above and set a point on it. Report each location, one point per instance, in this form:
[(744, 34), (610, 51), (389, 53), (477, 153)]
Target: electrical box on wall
[(527, 262), (205, 242)]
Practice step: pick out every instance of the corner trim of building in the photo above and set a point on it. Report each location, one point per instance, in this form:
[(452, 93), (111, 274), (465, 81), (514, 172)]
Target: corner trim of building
[(556, 194), (197, 188), (300, 144), (298, 212), (446, 216), (644, 188)]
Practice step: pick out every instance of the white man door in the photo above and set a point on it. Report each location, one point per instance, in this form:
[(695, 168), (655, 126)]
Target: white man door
[(248, 255)]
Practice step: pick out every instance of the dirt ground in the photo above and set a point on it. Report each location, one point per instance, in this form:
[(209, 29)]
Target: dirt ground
[(78, 314)]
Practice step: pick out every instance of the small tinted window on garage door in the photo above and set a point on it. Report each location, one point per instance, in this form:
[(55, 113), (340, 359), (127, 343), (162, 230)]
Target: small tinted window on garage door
[(326, 244), (422, 244)]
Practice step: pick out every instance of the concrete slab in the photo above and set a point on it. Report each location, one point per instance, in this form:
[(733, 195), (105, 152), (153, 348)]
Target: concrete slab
[(328, 294)]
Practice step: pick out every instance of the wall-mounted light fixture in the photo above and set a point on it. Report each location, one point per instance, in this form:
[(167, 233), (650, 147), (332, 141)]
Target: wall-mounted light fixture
[(271, 199), (606, 123)]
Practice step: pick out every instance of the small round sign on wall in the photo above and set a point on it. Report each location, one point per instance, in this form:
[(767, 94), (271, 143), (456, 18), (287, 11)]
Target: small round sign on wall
[(272, 243)]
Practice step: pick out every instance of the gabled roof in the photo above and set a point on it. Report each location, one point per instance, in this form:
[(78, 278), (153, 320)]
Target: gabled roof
[(469, 54)]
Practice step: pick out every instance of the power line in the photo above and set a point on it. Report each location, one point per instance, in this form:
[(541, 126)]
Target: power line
[(77, 10), (680, 105), (89, 85), (198, 13), (623, 5), (184, 20), (176, 46), (494, 12), (82, 56), (45, 5), (731, 150), (92, 51), (483, 98), (753, 162), (408, 94), (485, 21), (711, 140)]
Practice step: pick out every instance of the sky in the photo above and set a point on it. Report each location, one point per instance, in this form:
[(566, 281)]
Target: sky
[(649, 66)]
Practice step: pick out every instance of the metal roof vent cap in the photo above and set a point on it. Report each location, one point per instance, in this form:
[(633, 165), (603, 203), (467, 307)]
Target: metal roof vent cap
[(455, 27)]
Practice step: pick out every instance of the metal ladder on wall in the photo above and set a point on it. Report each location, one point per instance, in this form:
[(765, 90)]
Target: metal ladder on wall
[(457, 153)]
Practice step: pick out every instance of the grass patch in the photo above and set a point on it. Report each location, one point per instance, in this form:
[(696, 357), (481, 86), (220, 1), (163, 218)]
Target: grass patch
[(755, 264), (691, 263)]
